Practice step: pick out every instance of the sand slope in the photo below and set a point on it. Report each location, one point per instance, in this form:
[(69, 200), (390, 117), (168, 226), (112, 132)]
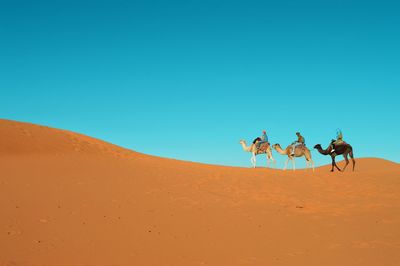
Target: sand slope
[(68, 199)]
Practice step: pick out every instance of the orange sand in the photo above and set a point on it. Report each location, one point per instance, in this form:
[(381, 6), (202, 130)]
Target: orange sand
[(68, 199)]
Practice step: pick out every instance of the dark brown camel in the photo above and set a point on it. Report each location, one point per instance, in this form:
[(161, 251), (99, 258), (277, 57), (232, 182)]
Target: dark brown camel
[(344, 149)]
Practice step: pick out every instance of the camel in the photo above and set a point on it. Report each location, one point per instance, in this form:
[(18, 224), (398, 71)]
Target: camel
[(340, 149), (265, 148), (300, 151)]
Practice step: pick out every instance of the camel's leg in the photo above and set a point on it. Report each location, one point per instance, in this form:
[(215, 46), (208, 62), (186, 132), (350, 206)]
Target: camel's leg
[(352, 158), (268, 161), (272, 158), (334, 164), (337, 167), (307, 156), (312, 164), (286, 163), (253, 160), (294, 164), (347, 161)]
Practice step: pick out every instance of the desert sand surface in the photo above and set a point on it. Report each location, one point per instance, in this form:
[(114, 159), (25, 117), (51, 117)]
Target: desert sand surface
[(68, 199)]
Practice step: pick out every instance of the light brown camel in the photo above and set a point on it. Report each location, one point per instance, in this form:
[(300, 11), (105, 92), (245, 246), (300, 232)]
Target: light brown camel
[(299, 151), (265, 148)]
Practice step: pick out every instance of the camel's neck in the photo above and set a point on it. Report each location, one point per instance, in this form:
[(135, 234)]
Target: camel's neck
[(322, 151), (246, 148), (279, 150)]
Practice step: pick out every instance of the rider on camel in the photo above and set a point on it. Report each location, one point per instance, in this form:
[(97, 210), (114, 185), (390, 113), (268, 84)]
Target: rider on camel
[(260, 140), (300, 141), (338, 141)]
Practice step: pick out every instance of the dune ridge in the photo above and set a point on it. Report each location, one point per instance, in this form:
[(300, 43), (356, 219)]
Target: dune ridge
[(27, 138), (69, 199)]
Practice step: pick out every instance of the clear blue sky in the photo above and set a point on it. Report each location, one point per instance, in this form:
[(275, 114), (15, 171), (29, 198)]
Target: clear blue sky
[(189, 79)]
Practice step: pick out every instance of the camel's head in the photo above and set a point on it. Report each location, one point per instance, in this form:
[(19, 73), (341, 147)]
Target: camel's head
[(318, 146), (242, 141), (276, 145)]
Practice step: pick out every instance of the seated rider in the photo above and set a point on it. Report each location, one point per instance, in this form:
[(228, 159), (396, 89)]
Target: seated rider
[(260, 140), (300, 141), (338, 141)]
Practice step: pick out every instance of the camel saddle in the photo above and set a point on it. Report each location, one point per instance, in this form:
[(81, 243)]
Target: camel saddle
[(263, 148), (339, 143), (301, 146)]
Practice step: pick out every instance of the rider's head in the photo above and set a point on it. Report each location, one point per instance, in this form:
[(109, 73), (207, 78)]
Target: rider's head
[(264, 131), (297, 133)]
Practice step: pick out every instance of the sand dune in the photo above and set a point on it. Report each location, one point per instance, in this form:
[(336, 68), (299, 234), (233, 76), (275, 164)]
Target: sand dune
[(68, 199)]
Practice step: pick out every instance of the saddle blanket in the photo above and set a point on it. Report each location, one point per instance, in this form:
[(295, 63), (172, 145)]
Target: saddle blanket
[(263, 148)]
